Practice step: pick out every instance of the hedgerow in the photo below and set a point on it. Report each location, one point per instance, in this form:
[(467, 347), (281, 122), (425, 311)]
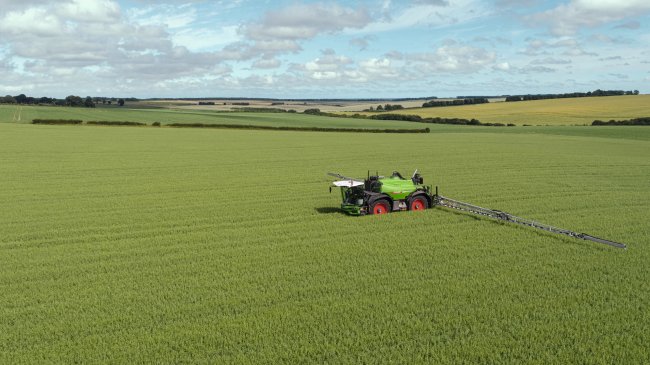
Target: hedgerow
[(636, 121), (306, 129), (109, 122), (408, 118), (435, 120), (259, 110), (56, 121)]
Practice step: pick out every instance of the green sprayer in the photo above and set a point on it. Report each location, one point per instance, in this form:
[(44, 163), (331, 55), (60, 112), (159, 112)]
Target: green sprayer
[(380, 194)]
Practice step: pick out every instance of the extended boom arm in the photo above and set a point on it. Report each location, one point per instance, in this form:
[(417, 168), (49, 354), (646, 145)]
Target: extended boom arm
[(497, 214)]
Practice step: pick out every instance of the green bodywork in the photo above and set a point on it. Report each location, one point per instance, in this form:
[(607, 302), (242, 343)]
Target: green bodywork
[(397, 188), (351, 209), (355, 199)]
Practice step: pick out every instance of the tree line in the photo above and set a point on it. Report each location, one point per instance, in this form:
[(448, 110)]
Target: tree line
[(384, 108), (468, 101), (70, 100), (635, 121), (409, 118), (437, 120), (596, 92)]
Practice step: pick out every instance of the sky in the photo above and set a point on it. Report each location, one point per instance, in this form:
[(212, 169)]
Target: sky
[(322, 49)]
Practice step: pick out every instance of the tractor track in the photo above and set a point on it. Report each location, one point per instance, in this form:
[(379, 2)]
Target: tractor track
[(17, 114)]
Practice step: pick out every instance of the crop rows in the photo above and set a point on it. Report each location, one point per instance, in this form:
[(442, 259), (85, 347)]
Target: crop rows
[(192, 245)]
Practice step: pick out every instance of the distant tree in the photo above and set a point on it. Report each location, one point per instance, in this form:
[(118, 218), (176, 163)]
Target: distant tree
[(21, 99), (120, 102), (636, 92), (379, 107), (89, 103), (73, 100), (389, 107), (8, 100)]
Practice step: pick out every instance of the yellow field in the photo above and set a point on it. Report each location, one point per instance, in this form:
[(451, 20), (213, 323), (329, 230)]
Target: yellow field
[(573, 111)]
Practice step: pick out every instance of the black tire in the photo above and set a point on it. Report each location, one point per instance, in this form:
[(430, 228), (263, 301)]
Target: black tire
[(380, 206), (418, 203)]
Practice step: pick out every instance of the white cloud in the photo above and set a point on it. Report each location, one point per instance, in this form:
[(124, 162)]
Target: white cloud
[(101, 11), (166, 15), (362, 43), (515, 3), (37, 21), (613, 5), (568, 46), (551, 61), (429, 13), (92, 41), (568, 19), (304, 21), (328, 62), (267, 63), (633, 24), (283, 30), (503, 66), (379, 69), (432, 2), (536, 69), (331, 68), (454, 58), (196, 47), (200, 39)]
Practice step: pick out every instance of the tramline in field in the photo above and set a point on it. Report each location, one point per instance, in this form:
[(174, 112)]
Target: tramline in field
[(379, 195)]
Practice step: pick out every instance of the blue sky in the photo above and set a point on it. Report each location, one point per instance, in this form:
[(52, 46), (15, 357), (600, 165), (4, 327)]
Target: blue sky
[(322, 49)]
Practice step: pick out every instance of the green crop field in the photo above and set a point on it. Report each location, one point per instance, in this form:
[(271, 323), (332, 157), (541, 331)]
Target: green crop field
[(161, 245), (25, 114), (572, 111)]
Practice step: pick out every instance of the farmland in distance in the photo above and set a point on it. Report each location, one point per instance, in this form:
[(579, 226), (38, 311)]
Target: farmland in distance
[(570, 111), (169, 245), (25, 114), (552, 112)]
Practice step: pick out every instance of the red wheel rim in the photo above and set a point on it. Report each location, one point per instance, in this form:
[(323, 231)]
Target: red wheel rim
[(380, 208), (417, 205)]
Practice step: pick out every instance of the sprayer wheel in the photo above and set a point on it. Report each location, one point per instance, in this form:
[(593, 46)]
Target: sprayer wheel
[(380, 207), (418, 203)]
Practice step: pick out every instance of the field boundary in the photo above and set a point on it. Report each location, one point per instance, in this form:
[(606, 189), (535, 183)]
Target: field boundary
[(635, 121), (227, 126), (301, 129)]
